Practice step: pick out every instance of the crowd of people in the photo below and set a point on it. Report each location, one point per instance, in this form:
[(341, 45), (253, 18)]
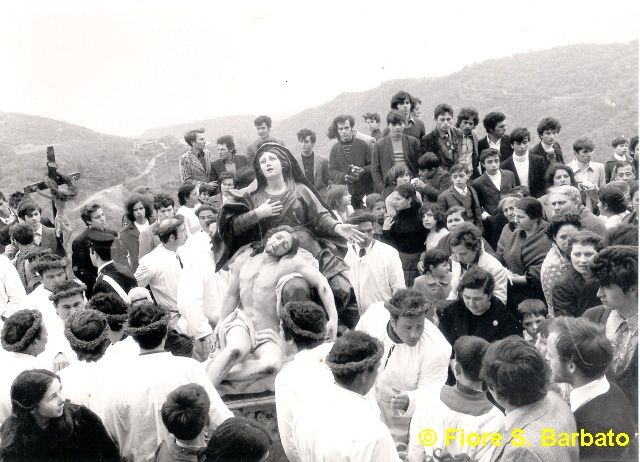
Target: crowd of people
[(408, 293)]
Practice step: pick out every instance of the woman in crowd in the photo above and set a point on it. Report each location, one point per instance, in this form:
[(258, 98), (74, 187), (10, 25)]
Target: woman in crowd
[(454, 217), (557, 261), (524, 251), (43, 426), (398, 174), (339, 201), (575, 291), (612, 205), (557, 175), (405, 231), (632, 218), (238, 439), (467, 251), (508, 206), (434, 221), (139, 217)]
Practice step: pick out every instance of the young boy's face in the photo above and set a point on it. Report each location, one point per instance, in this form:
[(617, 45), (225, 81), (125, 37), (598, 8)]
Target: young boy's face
[(226, 185), (622, 148), (531, 323), (454, 220), (372, 124), (549, 137), (379, 210), (403, 179), (520, 149), (460, 179), (583, 156), (492, 164), (204, 197)]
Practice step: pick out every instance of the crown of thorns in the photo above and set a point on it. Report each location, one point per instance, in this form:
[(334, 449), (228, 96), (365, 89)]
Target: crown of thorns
[(154, 326), (285, 316), (86, 345), (59, 194), (358, 366), (28, 336), (112, 317), (48, 261), (416, 310), (77, 289)]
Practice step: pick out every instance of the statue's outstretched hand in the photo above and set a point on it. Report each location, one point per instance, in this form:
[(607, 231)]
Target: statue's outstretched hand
[(350, 233)]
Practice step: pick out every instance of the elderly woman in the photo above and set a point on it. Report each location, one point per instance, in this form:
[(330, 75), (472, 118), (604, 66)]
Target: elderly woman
[(467, 251), (525, 250), (507, 206), (43, 426), (557, 175), (557, 261)]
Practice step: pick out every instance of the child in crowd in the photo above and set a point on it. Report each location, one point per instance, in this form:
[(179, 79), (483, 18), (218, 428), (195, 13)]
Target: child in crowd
[(372, 119), (398, 174), (434, 221), (185, 413), (620, 147), (205, 192), (226, 181), (339, 201), (375, 204), (533, 313), (462, 194)]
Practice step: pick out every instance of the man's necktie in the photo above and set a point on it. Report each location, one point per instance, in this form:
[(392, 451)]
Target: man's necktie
[(179, 260)]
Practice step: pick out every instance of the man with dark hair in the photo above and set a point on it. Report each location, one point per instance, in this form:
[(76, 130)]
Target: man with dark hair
[(477, 311), (165, 207), (445, 140), (194, 165), (350, 160), (416, 356), (517, 377), (115, 310), (579, 353), (251, 304), (24, 337), (466, 121), (462, 406), (44, 237), (229, 160), (590, 176), (134, 413), (404, 103), (339, 423), (616, 271), (527, 168), (93, 217), (620, 153), (68, 298), (496, 127), (548, 148), (263, 127), (314, 166), (185, 414), (375, 270), (304, 329), (111, 277), (432, 178), (372, 119)]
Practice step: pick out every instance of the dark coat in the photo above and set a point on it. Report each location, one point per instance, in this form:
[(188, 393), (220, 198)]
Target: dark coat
[(627, 380), (120, 274), (494, 324), (339, 166), (382, 161), (80, 260), (407, 234), (572, 294), (321, 178), (506, 150), (538, 150), (217, 166), (128, 246), (440, 181), (488, 194), (451, 198), (536, 174), (430, 143)]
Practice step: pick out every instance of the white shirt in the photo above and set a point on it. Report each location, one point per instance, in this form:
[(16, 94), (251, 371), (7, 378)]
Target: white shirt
[(194, 248), (137, 394), (489, 263), (496, 179), (376, 275), (160, 270), (585, 393), (414, 370), (306, 375), (463, 192), (340, 425), (143, 226), (192, 224), (495, 145), (11, 364), (200, 293), (122, 350), (87, 383), (522, 167), (37, 237), (12, 291)]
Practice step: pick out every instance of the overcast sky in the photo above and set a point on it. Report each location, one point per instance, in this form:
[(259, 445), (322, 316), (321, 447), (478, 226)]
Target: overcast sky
[(121, 67)]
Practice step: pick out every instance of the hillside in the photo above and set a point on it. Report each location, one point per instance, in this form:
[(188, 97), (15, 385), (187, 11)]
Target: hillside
[(592, 89)]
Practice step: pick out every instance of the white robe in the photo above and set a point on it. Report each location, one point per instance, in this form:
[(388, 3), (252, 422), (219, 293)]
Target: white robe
[(11, 364), (340, 425), (306, 375), (454, 410), (414, 370), (137, 394), (122, 350), (87, 383)]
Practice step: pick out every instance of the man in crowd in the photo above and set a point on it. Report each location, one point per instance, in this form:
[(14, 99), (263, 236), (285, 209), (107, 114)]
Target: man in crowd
[(432, 178), (111, 277), (466, 121), (93, 217), (527, 168), (263, 127), (590, 176), (496, 127), (350, 160), (229, 160), (372, 119), (445, 140), (195, 165), (548, 148), (44, 237), (314, 166), (164, 206), (413, 126)]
